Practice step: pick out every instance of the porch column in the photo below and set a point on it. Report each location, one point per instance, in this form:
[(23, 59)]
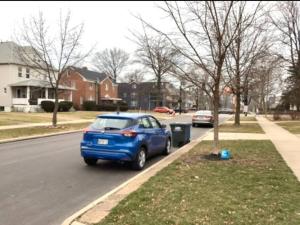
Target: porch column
[(46, 93), (71, 96), (28, 94)]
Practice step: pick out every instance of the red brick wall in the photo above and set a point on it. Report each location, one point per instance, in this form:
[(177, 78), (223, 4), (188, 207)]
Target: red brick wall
[(108, 89), (84, 89)]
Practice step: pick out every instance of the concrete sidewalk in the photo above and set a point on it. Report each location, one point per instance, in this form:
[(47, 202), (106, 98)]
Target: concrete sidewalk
[(43, 124), (287, 144)]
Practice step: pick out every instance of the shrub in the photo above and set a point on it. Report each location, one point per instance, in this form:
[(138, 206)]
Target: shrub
[(276, 116), (106, 107), (89, 105), (48, 106), (65, 106), (123, 106)]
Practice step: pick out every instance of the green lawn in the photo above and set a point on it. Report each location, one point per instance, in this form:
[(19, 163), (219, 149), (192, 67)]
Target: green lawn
[(243, 128), (15, 118), (27, 132), (291, 126), (245, 118), (255, 187)]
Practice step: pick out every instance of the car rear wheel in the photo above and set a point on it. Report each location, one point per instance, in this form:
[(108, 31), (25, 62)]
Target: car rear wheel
[(167, 149), (140, 160), (90, 161)]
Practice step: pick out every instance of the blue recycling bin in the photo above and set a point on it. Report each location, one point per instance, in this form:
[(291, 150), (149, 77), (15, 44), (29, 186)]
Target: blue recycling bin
[(181, 133)]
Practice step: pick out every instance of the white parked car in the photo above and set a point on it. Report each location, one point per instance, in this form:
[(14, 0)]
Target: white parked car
[(203, 117)]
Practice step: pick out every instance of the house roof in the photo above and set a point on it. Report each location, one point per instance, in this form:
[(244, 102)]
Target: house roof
[(7, 50), (39, 83), (89, 74)]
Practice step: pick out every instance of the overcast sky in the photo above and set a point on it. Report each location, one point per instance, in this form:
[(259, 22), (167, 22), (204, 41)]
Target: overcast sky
[(107, 24)]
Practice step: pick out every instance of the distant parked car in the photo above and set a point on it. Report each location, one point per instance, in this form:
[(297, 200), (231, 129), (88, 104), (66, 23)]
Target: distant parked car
[(125, 137), (226, 111), (183, 110), (203, 117), (163, 109)]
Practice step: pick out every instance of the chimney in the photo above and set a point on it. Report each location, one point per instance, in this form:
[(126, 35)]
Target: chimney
[(84, 68)]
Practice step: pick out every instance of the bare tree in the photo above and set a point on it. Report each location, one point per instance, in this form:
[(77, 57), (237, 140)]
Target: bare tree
[(247, 48), (287, 23), (266, 80), (111, 61), (50, 52), (203, 38), (156, 54), (136, 76)]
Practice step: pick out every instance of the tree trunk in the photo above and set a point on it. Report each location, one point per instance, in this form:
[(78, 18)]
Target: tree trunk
[(54, 116), (237, 109), (159, 94), (216, 99)]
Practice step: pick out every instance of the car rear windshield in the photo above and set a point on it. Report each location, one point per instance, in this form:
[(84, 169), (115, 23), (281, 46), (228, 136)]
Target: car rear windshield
[(113, 123)]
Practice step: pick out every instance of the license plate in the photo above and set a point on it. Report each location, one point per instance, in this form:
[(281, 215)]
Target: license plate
[(102, 141)]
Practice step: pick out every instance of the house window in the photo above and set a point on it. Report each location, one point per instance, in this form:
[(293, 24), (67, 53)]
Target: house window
[(20, 71), (81, 100), (134, 86), (5, 90), (27, 72), (91, 86), (124, 95), (133, 95), (133, 103), (106, 87), (73, 84)]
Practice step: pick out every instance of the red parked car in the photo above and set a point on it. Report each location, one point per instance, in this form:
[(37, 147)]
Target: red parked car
[(163, 109)]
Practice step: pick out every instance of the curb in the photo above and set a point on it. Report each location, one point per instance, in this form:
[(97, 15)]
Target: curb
[(37, 136), (144, 176)]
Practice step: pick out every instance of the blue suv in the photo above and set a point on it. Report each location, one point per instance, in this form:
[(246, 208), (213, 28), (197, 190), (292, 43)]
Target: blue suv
[(125, 137)]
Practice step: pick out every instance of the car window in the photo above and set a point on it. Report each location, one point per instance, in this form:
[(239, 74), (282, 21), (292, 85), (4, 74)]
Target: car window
[(144, 122), (154, 122), (113, 123)]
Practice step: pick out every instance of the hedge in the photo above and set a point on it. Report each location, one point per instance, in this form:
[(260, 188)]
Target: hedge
[(92, 106), (89, 105), (48, 106), (65, 106)]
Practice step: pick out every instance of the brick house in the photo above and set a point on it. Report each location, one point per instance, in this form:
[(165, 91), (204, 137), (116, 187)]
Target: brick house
[(90, 86), (144, 95)]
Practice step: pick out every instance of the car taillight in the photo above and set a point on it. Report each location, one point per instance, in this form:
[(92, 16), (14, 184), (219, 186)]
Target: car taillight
[(129, 133)]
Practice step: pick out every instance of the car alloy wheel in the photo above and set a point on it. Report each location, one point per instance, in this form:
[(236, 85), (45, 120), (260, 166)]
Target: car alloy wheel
[(142, 158)]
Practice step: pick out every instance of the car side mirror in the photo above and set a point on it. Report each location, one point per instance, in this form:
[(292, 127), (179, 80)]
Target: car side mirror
[(163, 126)]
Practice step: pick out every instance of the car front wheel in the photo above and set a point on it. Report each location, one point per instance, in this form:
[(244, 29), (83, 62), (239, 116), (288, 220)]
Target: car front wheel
[(90, 161), (140, 160)]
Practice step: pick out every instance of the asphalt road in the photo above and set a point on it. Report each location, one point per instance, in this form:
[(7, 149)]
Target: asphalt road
[(44, 180)]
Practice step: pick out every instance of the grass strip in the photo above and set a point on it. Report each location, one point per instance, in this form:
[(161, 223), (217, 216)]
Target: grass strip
[(254, 187)]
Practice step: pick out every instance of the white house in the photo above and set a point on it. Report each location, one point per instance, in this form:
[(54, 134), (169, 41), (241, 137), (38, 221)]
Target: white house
[(22, 88)]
